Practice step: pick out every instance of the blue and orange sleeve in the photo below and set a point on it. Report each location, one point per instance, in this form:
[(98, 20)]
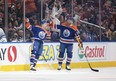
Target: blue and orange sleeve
[(27, 23)]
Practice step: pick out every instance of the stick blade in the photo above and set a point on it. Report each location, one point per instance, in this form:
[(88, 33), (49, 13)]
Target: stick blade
[(96, 70)]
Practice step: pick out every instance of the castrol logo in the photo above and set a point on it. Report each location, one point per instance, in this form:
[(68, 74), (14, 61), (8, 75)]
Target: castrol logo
[(94, 52)]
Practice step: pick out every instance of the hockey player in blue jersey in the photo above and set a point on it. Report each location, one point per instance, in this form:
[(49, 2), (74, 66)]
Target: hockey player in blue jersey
[(68, 33), (39, 34)]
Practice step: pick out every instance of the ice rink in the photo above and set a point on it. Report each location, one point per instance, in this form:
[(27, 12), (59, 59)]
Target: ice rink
[(104, 74)]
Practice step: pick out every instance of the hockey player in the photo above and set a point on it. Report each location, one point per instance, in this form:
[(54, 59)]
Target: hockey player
[(68, 33), (39, 34)]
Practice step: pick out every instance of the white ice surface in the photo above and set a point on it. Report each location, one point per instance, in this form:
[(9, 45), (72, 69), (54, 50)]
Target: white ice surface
[(104, 74)]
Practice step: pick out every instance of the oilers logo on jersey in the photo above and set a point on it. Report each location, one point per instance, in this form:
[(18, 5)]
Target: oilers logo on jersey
[(66, 33), (42, 34)]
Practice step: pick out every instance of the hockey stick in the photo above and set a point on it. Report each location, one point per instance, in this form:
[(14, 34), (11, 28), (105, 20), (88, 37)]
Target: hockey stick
[(82, 51), (96, 70), (48, 63), (44, 58)]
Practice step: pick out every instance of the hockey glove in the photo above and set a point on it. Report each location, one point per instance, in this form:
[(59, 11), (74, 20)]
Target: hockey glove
[(27, 23), (80, 45)]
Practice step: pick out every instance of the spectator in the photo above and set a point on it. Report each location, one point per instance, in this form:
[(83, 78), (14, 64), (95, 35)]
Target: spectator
[(20, 35), (14, 38), (2, 36)]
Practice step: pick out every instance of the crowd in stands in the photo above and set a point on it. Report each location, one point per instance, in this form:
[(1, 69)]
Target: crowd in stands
[(59, 11)]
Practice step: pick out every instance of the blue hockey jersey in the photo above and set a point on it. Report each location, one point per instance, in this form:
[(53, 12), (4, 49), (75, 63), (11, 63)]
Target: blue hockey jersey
[(67, 34), (38, 33)]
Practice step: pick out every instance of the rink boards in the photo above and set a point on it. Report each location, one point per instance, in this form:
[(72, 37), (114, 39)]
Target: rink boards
[(15, 56)]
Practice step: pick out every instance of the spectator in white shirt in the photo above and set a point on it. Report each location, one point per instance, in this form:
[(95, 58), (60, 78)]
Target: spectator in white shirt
[(2, 36)]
